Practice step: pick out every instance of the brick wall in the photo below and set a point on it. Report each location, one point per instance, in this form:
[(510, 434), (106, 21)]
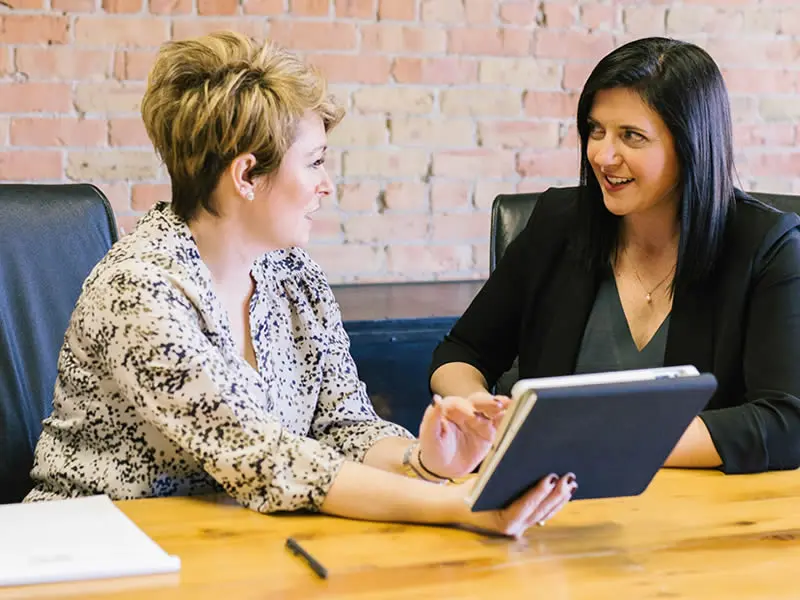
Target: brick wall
[(449, 102)]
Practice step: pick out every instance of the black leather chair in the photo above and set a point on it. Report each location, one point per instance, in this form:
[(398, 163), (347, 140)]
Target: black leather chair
[(510, 214), (51, 236)]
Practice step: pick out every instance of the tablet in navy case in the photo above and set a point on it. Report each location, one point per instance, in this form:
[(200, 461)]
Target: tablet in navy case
[(614, 437)]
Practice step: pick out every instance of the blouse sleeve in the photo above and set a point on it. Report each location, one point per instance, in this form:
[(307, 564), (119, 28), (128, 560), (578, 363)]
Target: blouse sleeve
[(345, 417), (149, 335), (763, 433)]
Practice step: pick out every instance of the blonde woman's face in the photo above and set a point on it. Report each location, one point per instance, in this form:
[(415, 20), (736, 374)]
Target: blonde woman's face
[(285, 206)]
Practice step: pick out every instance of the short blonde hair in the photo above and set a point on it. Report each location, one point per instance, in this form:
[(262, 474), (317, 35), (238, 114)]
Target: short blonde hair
[(211, 99)]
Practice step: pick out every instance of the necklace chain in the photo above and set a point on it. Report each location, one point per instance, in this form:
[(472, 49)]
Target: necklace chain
[(648, 296)]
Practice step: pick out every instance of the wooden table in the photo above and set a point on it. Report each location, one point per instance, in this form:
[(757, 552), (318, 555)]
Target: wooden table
[(690, 535)]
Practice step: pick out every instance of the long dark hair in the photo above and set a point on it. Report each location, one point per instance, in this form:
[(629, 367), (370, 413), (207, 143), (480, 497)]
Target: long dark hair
[(681, 82)]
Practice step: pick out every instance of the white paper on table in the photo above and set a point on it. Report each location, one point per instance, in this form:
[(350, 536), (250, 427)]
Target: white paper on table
[(70, 540)]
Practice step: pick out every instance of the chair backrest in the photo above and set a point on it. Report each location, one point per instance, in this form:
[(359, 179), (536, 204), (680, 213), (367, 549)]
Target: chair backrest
[(510, 214), (51, 236)]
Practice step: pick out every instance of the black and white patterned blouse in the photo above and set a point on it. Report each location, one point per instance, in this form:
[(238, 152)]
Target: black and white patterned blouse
[(153, 399)]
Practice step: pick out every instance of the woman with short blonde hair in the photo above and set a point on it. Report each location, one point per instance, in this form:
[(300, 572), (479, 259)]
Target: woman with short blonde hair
[(207, 350)]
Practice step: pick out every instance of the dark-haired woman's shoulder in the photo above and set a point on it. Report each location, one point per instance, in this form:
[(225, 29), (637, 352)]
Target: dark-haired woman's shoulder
[(758, 226)]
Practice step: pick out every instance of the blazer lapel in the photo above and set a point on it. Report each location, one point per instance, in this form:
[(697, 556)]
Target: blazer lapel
[(573, 292), (690, 339)]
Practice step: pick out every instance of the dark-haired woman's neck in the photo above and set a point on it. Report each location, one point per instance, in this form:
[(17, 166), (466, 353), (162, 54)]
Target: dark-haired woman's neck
[(651, 234)]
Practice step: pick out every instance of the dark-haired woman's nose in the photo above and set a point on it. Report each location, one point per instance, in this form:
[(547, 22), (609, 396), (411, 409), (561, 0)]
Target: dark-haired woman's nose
[(605, 154)]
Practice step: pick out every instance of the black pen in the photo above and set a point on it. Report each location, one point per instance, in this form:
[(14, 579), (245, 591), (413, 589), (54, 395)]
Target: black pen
[(312, 562)]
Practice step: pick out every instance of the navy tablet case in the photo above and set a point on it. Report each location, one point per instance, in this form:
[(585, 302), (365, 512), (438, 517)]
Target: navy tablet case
[(614, 437)]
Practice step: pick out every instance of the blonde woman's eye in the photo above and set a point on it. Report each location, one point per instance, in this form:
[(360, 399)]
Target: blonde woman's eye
[(318, 163)]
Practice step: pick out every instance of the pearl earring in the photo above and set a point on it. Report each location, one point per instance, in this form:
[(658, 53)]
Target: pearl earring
[(248, 194)]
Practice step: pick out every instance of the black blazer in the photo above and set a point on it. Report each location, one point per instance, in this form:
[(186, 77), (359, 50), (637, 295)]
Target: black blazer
[(743, 325)]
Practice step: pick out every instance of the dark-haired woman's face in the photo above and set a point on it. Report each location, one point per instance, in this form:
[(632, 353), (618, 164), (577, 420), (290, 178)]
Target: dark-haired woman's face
[(632, 153)]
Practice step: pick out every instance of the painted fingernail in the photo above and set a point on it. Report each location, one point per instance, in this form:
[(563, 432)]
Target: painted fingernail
[(551, 479), (540, 523), (570, 478), (436, 398)]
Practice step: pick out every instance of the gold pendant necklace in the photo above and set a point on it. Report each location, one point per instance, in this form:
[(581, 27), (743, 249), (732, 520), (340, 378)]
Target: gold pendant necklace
[(648, 295)]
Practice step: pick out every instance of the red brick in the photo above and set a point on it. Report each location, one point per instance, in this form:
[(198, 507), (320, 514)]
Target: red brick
[(400, 39), (444, 71), (35, 97), (495, 102), (551, 104), (33, 29), (763, 134), (26, 4), (406, 195), (314, 35), (388, 227), (108, 97), (112, 165), (478, 162), (393, 99), (572, 44), (217, 7), (121, 31), (432, 133), (193, 27), (551, 163), (5, 61), (361, 196), (770, 81), (122, 6), (500, 41), (479, 11), (406, 162), (569, 137), (422, 262), (357, 9), (75, 6), (756, 52), (134, 64), (397, 10), (145, 195), (327, 227), (523, 13), (309, 8), (443, 11), (170, 7), (486, 190), (65, 131), (559, 16), (63, 62), (344, 68), (599, 17), (461, 226), (127, 132), (263, 7), (519, 134), (118, 194), (348, 262), (575, 75), (448, 194), (126, 223), (30, 165)]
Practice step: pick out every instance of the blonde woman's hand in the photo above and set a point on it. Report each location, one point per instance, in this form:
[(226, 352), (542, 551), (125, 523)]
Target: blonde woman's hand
[(456, 433)]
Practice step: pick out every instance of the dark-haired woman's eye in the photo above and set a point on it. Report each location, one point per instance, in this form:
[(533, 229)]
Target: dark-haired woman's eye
[(633, 137), (596, 132)]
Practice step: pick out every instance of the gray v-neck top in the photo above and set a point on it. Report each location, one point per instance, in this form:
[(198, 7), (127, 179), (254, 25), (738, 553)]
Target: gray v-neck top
[(607, 343)]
